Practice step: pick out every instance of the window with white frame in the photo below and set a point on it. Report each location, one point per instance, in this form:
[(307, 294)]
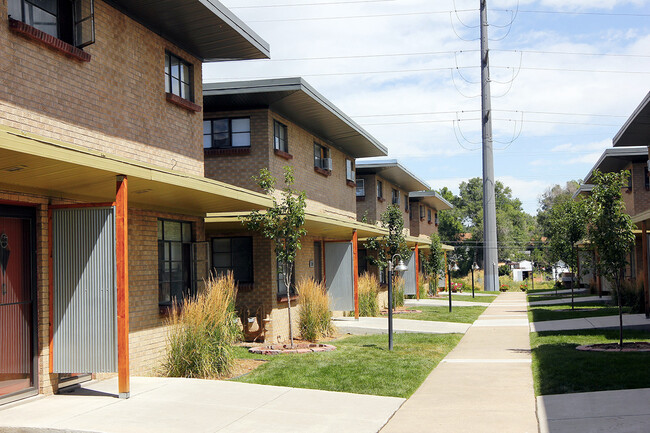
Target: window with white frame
[(349, 170), (361, 187), (322, 157), (226, 133)]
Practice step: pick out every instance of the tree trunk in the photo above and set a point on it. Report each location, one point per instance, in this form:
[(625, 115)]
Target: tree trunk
[(620, 313), (287, 283)]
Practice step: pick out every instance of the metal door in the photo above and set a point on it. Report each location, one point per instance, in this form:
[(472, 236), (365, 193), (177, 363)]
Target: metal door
[(16, 306), (339, 275), (84, 290), (409, 276)]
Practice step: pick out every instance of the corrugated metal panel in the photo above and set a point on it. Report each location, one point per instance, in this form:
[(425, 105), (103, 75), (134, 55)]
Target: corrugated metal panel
[(85, 290), (409, 276), (339, 275)]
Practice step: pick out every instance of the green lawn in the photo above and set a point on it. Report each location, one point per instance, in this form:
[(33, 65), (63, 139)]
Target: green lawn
[(469, 298), (442, 314), (553, 312), (361, 364), (541, 291), (559, 368), (552, 297)]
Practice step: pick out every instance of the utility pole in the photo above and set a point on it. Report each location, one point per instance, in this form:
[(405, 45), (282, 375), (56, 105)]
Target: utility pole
[(490, 252)]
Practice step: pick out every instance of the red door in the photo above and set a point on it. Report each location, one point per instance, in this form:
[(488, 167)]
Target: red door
[(16, 325)]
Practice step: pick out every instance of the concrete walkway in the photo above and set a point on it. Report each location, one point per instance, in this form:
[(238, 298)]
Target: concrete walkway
[(595, 412), (379, 325), (560, 292), (478, 294), (568, 300), (443, 303), (629, 320), (193, 405), (484, 385)]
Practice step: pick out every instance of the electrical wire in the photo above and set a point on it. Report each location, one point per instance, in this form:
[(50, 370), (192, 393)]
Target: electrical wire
[(350, 17), (577, 13)]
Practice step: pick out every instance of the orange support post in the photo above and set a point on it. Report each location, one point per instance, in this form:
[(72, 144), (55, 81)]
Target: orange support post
[(122, 256), (644, 254), (417, 273), (355, 271)]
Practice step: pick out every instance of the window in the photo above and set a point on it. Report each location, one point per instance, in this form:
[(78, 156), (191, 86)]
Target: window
[(174, 261), (395, 196), (282, 287), (380, 189), (422, 212), (349, 170), (318, 261), (234, 255), (406, 203), (322, 157), (72, 21), (178, 77), (411, 213), (429, 216), (361, 187), (227, 133), (280, 141), (436, 217)]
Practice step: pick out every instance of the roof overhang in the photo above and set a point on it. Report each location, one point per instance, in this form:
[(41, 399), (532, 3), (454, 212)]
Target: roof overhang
[(296, 100), (204, 28), (585, 189), (393, 172), (33, 164), (424, 243), (636, 130), (616, 159), (316, 224), (431, 198)]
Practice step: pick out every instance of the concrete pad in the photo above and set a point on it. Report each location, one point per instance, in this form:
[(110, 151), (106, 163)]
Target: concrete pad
[(629, 320), (182, 405), (604, 411), (501, 322), (379, 325), (443, 303), (568, 300)]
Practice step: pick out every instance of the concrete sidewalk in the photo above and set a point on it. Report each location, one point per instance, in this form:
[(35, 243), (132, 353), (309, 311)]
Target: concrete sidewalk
[(568, 300), (379, 325), (477, 293), (629, 320), (443, 303), (193, 405), (484, 385), (560, 292), (595, 412)]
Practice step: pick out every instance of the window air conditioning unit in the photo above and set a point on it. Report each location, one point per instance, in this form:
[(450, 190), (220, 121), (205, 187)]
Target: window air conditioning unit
[(352, 177), (327, 163)]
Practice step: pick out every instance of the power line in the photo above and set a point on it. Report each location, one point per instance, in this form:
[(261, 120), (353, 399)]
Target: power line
[(349, 17), (575, 53), (432, 113), (503, 120), (615, 14)]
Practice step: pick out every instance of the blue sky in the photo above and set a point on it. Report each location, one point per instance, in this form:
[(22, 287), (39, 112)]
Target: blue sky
[(407, 71)]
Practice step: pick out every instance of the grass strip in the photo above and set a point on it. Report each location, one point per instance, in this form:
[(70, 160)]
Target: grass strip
[(558, 368), (553, 297), (469, 298), (442, 314), (563, 311), (361, 364)]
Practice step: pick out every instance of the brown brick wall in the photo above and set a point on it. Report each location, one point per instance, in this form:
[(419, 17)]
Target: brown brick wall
[(422, 227), (115, 103), (641, 195)]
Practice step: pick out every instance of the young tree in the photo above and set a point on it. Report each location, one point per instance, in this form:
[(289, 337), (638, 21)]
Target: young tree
[(395, 243), (282, 223), (567, 225), (434, 264), (611, 230)]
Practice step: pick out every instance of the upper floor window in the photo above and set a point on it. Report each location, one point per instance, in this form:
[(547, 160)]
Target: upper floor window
[(174, 261), (234, 255), (406, 203), (380, 189), (436, 217), (429, 215), (280, 140), (422, 212), (361, 187), (71, 21), (178, 77), (411, 212), (226, 133), (349, 170), (395, 196), (322, 157)]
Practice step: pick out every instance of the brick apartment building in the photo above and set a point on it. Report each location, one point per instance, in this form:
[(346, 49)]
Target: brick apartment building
[(102, 194), (272, 124)]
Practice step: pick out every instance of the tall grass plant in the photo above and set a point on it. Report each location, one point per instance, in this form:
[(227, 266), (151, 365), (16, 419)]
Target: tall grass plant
[(368, 291), (315, 318)]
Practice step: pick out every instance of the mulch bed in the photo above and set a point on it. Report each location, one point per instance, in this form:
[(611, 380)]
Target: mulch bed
[(278, 349), (637, 346)]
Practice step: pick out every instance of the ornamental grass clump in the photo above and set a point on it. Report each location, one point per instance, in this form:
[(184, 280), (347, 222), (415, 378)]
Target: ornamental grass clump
[(202, 330), (315, 318), (398, 291), (368, 290)]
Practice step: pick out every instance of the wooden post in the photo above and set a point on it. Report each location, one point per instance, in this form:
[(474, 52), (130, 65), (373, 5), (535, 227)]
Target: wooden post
[(446, 275), (644, 254), (355, 271), (122, 256), (417, 272)]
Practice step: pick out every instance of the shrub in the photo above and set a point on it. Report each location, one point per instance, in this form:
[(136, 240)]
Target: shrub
[(504, 270), (632, 296), (398, 291), (201, 332), (315, 318), (368, 290)]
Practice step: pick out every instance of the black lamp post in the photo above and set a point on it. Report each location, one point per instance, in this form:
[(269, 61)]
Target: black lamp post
[(474, 268), (401, 267), (451, 268), (532, 273)]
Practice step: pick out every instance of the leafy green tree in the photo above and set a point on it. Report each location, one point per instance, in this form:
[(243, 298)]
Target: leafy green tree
[(283, 224), (611, 230), (434, 264), (387, 246), (567, 225)]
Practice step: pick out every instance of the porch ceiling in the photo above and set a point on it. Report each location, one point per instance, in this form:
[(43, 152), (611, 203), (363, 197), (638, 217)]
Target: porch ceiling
[(317, 224), (33, 164)]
